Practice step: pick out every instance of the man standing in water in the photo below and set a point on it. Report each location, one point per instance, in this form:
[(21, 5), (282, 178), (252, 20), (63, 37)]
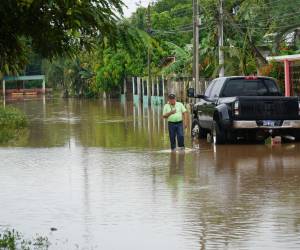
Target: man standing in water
[(177, 117)]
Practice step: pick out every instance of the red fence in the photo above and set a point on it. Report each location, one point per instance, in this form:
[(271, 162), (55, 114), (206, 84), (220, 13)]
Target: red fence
[(26, 91)]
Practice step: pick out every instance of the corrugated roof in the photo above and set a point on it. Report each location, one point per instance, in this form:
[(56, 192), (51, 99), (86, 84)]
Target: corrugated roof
[(284, 58)]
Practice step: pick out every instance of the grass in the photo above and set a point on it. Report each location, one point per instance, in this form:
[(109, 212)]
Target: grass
[(13, 240), (12, 118), (12, 123)]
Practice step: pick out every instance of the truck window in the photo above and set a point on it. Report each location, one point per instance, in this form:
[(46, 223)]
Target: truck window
[(272, 87), (209, 88), (245, 87), (215, 92)]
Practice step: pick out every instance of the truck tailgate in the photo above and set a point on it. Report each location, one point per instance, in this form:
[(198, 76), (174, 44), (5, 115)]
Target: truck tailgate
[(269, 108)]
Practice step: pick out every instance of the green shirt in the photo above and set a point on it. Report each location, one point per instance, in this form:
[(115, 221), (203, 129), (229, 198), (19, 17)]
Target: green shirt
[(177, 117)]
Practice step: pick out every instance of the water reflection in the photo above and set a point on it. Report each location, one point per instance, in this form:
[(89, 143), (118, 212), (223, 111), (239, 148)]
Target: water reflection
[(98, 172), (86, 196), (93, 124), (244, 193), (177, 161)]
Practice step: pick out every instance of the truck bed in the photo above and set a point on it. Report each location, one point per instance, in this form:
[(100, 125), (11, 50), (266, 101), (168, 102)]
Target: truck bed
[(268, 108)]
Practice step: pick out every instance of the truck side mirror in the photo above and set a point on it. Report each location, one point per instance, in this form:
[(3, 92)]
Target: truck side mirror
[(202, 97), (191, 92)]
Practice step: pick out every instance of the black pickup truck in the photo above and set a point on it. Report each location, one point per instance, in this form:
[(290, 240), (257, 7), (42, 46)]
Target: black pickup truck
[(244, 107)]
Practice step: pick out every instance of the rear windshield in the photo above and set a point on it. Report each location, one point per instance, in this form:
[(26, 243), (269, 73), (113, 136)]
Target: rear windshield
[(255, 87)]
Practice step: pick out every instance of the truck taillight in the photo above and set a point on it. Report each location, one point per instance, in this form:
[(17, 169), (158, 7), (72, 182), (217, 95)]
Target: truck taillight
[(237, 108)]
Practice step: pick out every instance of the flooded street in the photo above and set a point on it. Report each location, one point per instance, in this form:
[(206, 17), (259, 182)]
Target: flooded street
[(101, 173)]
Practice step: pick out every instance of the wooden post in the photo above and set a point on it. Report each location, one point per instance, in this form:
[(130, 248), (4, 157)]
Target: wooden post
[(3, 88), (140, 121), (287, 78), (152, 86), (221, 40), (158, 120), (138, 85), (184, 91), (44, 86), (134, 117), (44, 106), (133, 86), (196, 22), (157, 87), (143, 87), (3, 93), (148, 91), (125, 86), (163, 86)]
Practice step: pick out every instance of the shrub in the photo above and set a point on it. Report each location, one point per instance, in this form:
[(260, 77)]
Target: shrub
[(12, 118), (13, 240), (12, 123)]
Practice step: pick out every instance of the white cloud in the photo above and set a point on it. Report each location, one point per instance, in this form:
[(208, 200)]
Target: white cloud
[(132, 6)]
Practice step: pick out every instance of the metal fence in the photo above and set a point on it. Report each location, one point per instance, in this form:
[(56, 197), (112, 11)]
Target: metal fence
[(139, 89)]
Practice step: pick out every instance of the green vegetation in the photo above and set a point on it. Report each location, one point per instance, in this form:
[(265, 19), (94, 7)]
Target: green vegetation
[(12, 124), (13, 240), (96, 49), (252, 28), (53, 28), (12, 118), (103, 68)]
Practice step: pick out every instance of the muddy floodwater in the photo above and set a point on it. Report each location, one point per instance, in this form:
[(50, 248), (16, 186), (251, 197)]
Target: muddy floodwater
[(101, 174)]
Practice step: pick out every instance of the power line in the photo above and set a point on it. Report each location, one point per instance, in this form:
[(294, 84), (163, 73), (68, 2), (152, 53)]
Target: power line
[(185, 26), (180, 11), (172, 32), (282, 17), (177, 31), (254, 49), (182, 15), (273, 4), (185, 7), (270, 26), (267, 28)]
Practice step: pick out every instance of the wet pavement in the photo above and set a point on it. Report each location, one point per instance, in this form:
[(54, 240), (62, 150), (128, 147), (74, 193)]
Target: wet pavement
[(102, 174)]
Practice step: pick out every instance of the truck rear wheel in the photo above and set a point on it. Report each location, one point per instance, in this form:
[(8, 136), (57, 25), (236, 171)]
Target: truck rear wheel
[(297, 136), (231, 137), (197, 132), (218, 135)]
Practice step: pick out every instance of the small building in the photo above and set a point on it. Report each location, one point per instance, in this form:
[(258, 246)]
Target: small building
[(291, 62)]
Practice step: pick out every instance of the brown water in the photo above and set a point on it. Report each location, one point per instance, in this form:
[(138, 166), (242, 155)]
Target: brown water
[(100, 172)]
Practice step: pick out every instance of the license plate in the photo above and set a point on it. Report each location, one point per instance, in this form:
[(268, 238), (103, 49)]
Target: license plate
[(269, 123)]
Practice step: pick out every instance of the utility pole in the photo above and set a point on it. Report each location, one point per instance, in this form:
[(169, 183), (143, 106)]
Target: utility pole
[(196, 43), (149, 49), (221, 39)]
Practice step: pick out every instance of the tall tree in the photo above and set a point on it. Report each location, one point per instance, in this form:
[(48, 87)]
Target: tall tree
[(53, 27)]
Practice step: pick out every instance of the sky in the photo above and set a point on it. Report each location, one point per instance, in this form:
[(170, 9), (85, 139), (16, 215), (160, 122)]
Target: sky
[(132, 6)]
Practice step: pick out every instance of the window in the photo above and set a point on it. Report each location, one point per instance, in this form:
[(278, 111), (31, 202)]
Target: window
[(208, 90), (272, 87), (245, 87), (216, 88)]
